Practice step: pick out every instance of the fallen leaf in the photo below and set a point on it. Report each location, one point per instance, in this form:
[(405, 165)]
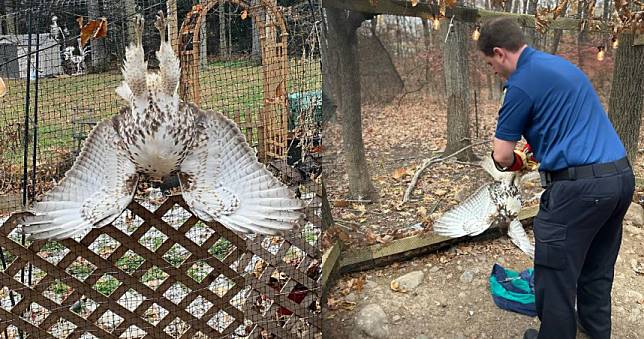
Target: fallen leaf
[(360, 208), (342, 304), (440, 192), (399, 173), (370, 237), (383, 240), (422, 212), (395, 286), (341, 203)]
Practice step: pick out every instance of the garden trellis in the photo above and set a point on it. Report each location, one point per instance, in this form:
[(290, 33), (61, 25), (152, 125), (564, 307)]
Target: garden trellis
[(158, 271)]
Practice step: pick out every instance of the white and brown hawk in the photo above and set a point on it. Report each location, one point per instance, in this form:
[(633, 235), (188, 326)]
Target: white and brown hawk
[(497, 203), (159, 136)]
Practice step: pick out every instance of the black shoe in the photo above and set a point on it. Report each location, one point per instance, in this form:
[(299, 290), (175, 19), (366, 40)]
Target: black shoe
[(530, 333)]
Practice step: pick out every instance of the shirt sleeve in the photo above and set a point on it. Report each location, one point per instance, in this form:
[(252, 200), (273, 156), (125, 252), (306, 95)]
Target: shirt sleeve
[(513, 115)]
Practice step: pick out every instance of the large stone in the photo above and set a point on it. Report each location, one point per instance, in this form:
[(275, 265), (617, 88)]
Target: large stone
[(372, 321), (411, 280), (635, 214), (467, 277)]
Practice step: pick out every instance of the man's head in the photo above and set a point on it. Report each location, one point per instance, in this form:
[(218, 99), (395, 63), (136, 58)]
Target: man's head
[(501, 43)]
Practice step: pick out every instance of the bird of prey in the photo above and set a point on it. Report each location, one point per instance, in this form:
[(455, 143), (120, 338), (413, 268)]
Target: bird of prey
[(157, 136), (497, 203)]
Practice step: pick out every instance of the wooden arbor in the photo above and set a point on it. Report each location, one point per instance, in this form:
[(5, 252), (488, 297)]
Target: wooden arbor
[(271, 129)]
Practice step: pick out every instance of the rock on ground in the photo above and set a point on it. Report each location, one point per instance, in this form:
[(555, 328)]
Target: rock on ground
[(635, 214), (411, 280), (372, 321)]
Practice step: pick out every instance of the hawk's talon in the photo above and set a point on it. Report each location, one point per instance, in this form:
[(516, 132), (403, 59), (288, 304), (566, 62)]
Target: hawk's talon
[(139, 23), (161, 25)]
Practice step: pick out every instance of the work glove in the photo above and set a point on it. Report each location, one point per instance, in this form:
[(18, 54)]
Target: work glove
[(522, 161), (529, 163)]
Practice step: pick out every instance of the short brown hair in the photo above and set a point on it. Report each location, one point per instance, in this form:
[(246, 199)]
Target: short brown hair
[(503, 32)]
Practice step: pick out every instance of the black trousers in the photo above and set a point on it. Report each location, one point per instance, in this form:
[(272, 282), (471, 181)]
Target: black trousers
[(578, 233)]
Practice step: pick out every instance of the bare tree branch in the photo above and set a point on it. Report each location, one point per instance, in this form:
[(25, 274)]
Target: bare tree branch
[(431, 161)]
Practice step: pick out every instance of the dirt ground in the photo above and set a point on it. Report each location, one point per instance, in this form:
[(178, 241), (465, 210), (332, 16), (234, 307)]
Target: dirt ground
[(447, 305), (453, 299)]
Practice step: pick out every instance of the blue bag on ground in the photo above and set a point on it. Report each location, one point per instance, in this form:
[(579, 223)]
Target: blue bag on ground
[(513, 291)]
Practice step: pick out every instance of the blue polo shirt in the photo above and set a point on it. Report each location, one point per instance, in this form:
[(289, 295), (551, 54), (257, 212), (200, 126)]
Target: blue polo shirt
[(553, 105)]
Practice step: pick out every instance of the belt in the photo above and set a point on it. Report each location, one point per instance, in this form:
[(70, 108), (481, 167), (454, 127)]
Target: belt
[(586, 171)]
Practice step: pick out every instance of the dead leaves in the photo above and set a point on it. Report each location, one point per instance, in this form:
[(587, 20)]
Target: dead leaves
[(94, 29), (402, 172), (395, 286), (355, 284), (336, 304)]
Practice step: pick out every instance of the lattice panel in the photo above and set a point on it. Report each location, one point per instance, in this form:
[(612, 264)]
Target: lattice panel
[(160, 274)]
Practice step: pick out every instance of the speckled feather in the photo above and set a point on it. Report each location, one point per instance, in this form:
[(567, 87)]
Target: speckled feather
[(157, 136), (497, 203)]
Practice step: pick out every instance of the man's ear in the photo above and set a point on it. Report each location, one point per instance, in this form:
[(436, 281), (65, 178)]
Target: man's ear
[(498, 52)]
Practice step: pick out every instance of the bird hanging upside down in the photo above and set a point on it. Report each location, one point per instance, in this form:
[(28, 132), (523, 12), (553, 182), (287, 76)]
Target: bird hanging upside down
[(497, 204), (159, 136)]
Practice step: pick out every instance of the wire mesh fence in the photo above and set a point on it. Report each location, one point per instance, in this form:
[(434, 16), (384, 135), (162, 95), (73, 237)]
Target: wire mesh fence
[(158, 271)]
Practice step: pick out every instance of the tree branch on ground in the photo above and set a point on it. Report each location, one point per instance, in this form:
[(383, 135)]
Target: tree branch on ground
[(431, 161)]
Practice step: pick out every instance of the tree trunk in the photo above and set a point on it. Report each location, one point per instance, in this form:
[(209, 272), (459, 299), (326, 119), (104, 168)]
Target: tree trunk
[(531, 33), (516, 8), (626, 100), (606, 10), (98, 52), (556, 39), (256, 53), (203, 37), (130, 12), (581, 35), (222, 31), (427, 35), (330, 76), (342, 29), (455, 64), (10, 20)]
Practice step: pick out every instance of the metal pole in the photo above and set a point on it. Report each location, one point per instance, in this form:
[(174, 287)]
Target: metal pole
[(26, 140), (35, 147)]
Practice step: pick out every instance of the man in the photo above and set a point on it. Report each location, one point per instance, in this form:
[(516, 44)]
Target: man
[(588, 179)]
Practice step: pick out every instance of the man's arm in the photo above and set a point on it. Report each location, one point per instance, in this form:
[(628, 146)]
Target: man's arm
[(503, 152)]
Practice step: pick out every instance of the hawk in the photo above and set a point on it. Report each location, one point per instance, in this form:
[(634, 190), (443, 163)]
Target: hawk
[(497, 203), (157, 136)]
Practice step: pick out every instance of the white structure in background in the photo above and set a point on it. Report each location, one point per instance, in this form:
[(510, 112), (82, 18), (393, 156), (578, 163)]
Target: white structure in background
[(77, 59), (14, 61)]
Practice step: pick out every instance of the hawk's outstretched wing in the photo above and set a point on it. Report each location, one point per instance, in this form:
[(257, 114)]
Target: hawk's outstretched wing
[(519, 237), (222, 180), (93, 193), (471, 217)]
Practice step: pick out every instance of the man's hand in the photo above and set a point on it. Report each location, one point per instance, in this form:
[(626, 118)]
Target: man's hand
[(514, 160)]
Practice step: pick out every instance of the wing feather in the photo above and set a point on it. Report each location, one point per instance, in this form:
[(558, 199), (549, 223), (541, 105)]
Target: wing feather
[(519, 237), (222, 180), (94, 192), (472, 217)]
